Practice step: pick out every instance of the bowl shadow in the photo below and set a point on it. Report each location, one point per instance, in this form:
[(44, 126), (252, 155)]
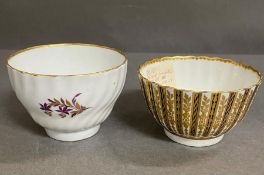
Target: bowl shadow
[(132, 111), (148, 145)]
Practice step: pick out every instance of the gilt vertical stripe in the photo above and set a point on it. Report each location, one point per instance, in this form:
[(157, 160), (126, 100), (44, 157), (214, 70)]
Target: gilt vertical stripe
[(159, 106), (245, 96), (152, 97), (195, 112), (144, 89), (165, 111), (228, 109), (249, 102), (149, 97), (178, 110)]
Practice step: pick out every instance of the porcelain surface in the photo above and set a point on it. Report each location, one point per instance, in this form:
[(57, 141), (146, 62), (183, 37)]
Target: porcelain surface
[(198, 98), (69, 89)]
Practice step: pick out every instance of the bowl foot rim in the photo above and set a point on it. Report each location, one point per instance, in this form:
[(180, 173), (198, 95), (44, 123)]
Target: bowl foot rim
[(72, 136), (194, 142)]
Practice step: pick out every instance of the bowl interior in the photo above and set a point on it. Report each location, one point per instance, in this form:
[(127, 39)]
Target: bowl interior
[(200, 74), (66, 59)]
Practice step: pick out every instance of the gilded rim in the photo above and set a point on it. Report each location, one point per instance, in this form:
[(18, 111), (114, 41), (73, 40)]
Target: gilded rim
[(65, 44), (192, 57)]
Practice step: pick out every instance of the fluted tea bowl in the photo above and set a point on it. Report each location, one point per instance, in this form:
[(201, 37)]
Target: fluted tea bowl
[(69, 89), (197, 99)]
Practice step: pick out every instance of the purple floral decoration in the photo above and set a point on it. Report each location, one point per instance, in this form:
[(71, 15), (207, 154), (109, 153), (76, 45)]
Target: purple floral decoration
[(63, 107)]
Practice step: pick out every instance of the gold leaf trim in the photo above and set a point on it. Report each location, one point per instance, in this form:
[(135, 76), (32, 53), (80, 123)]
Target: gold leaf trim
[(186, 110), (203, 116), (214, 105), (178, 110), (220, 113)]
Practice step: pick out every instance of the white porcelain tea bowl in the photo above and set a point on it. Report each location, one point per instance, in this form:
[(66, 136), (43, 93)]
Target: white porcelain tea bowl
[(197, 99), (69, 89)]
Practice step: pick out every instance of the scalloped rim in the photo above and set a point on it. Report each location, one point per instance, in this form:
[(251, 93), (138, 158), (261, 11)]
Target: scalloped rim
[(64, 44), (192, 57)]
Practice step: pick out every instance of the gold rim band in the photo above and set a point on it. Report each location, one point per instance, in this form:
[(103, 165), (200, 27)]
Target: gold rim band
[(192, 57), (65, 44)]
